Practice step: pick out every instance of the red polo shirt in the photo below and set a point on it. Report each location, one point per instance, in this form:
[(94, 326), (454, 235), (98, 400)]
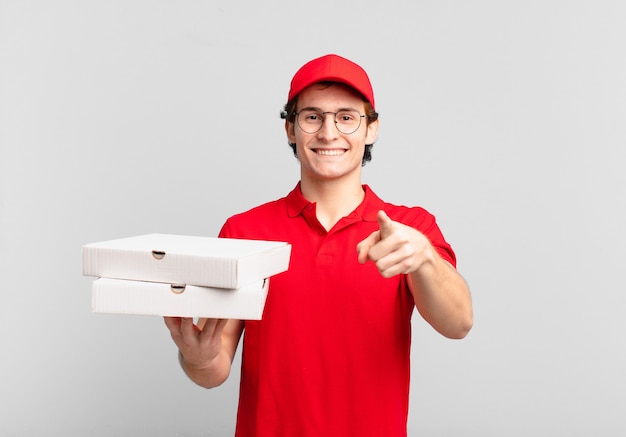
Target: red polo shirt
[(331, 356)]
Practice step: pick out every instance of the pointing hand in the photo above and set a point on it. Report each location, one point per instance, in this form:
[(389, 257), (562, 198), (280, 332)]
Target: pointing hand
[(394, 248)]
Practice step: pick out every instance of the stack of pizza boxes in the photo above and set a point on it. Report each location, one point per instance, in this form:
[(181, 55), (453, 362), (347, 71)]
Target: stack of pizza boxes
[(185, 276)]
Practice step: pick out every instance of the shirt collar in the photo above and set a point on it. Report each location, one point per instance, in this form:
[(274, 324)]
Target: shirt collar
[(366, 211), (296, 202)]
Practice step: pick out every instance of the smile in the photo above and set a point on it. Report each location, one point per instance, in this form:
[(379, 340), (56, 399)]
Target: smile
[(329, 152)]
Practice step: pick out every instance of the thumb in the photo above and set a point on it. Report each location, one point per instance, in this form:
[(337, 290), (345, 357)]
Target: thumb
[(364, 246), (385, 224)]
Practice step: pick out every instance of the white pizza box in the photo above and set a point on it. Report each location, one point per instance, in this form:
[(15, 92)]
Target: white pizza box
[(121, 296), (202, 261)]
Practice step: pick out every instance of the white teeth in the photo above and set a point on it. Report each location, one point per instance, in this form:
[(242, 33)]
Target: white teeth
[(330, 152)]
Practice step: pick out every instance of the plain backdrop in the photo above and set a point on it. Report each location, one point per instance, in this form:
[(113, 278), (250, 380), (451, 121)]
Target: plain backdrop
[(505, 119)]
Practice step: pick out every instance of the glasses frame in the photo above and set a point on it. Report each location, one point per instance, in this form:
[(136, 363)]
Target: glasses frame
[(323, 114)]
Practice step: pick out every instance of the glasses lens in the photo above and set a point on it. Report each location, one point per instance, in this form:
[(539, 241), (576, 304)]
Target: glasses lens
[(348, 121), (311, 121)]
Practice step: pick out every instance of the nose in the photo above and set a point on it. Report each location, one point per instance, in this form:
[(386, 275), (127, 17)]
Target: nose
[(328, 131)]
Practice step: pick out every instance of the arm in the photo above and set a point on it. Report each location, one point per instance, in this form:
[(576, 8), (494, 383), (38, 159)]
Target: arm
[(206, 351), (441, 295)]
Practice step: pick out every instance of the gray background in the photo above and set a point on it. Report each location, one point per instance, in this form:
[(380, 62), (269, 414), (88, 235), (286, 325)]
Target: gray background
[(506, 119)]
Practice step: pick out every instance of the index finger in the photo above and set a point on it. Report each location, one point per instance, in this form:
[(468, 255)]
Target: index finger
[(172, 323), (385, 224)]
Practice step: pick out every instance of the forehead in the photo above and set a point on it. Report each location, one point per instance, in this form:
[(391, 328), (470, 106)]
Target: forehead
[(330, 96)]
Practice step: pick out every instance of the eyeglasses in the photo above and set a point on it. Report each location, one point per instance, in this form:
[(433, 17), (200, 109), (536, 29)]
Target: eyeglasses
[(347, 121)]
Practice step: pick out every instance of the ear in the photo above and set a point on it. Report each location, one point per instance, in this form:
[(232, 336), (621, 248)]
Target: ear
[(290, 130), (372, 132)]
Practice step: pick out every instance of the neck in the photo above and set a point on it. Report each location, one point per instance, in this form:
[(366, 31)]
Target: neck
[(334, 199)]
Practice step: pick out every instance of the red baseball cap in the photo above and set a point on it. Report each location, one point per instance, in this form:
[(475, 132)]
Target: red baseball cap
[(335, 69)]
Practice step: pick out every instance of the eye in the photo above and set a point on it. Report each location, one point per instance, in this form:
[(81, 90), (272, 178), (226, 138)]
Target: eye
[(346, 116), (310, 116)]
